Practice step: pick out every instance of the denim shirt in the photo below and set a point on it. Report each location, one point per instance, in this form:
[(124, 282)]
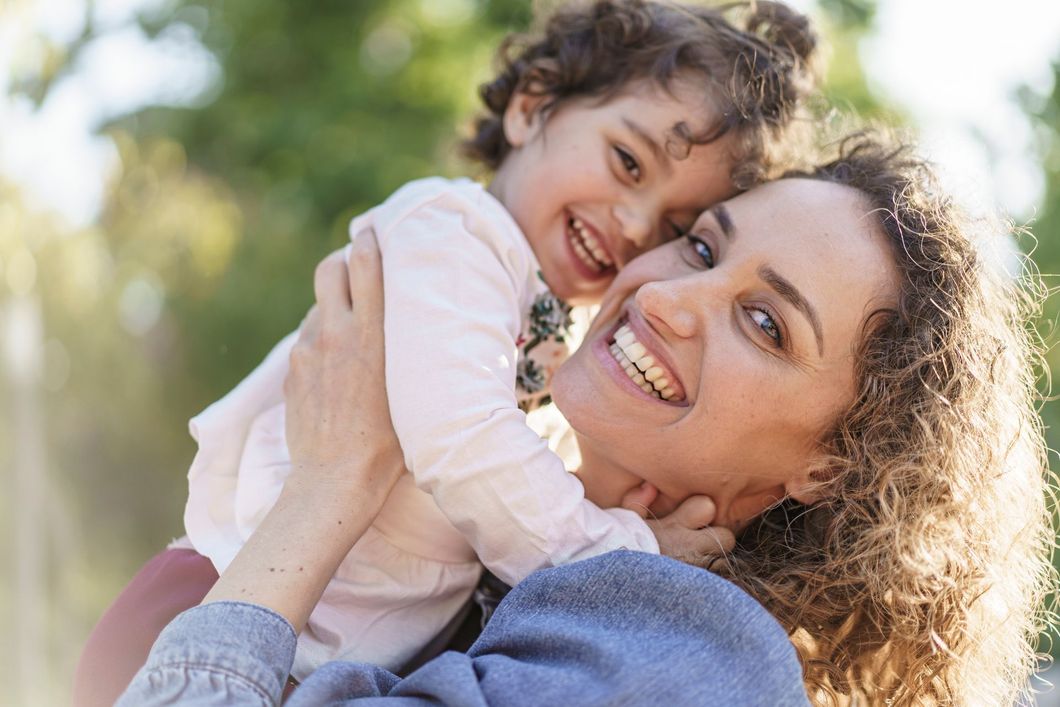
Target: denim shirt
[(623, 628)]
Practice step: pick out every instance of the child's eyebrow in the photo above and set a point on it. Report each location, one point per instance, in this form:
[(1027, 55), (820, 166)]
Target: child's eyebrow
[(657, 152)]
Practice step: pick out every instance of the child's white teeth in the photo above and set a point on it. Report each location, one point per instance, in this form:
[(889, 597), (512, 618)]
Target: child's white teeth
[(590, 249), (639, 366)]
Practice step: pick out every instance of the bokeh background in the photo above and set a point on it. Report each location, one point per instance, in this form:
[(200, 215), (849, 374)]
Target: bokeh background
[(172, 170)]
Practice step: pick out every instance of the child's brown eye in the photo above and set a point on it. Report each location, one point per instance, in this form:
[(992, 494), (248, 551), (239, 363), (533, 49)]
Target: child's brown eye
[(629, 163)]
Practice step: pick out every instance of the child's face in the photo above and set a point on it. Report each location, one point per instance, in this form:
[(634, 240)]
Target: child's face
[(593, 184)]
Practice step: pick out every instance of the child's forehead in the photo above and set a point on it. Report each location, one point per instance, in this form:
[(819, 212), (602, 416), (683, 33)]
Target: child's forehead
[(676, 115), (673, 103), (679, 91)]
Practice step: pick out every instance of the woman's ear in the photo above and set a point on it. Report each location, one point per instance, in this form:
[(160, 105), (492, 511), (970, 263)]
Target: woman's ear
[(810, 486), (804, 493), (523, 117)]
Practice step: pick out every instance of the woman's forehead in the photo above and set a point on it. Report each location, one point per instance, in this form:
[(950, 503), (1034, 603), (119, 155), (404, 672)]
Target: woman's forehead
[(822, 238)]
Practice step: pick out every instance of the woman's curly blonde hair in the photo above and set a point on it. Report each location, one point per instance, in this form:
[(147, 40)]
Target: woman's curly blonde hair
[(921, 577)]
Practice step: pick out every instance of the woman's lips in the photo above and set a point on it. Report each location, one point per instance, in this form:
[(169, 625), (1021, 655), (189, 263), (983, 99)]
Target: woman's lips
[(626, 357)]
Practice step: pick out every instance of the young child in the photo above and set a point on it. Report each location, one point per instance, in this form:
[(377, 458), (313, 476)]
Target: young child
[(607, 135)]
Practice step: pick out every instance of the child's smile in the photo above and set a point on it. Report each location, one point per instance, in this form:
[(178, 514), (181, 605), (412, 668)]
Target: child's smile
[(589, 246), (593, 184)]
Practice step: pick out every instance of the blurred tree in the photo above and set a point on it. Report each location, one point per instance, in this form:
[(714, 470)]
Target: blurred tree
[(325, 109), (203, 253), (221, 212)]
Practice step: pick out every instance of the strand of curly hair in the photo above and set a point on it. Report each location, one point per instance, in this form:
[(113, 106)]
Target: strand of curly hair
[(921, 577)]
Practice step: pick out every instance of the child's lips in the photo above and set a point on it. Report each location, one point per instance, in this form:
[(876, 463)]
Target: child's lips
[(588, 247)]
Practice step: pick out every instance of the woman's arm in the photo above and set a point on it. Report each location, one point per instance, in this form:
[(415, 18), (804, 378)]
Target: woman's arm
[(345, 456), (237, 648)]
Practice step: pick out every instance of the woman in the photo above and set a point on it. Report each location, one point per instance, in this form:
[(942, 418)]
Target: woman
[(847, 368)]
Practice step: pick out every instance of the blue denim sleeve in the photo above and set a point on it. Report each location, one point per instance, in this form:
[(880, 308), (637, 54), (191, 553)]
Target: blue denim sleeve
[(223, 653), (624, 628)]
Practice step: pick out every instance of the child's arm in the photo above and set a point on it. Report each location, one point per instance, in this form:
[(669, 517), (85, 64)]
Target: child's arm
[(453, 280)]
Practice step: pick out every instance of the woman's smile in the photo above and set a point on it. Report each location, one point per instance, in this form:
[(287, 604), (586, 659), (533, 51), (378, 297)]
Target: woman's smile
[(634, 358)]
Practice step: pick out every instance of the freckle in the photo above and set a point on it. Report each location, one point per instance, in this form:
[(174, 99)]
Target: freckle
[(282, 569), (272, 569)]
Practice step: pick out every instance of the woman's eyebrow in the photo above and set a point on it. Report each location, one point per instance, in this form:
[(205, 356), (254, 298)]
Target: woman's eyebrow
[(789, 292), (721, 215)]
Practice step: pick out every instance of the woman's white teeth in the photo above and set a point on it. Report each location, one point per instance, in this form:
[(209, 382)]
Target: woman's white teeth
[(639, 366), (636, 352), (588, 248)]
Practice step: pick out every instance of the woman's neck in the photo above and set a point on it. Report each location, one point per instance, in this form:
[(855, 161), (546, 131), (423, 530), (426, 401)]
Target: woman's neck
[(738, 502)]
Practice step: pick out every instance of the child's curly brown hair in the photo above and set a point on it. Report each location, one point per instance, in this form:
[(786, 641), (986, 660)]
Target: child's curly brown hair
[(750, 58)]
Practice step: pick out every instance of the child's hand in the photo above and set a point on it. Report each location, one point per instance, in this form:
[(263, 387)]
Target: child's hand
[(686, 533)]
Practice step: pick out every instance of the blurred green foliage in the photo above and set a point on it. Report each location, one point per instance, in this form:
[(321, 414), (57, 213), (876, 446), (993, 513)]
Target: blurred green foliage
[(1045, 111), (203, 255)]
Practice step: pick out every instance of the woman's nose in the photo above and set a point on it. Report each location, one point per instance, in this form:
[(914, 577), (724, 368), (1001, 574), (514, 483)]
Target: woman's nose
[(668, 304)]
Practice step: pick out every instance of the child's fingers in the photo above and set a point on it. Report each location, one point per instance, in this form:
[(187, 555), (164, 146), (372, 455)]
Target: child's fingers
[(366, 277), (639, 498), (331, 285), (715, 541), (695, 512)]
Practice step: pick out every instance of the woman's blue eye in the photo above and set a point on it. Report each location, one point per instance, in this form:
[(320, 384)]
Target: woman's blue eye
[(766, 323), (702, 250), (629, 162)]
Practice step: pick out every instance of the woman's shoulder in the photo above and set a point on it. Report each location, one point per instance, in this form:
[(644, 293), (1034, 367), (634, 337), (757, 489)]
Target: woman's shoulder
[(680, 631), (672, 592)]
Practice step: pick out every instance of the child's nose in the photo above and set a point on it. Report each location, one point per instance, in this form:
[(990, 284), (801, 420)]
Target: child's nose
[(636, 224)]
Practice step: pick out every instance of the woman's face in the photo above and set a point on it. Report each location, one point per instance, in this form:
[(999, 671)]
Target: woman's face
[(749, 327)]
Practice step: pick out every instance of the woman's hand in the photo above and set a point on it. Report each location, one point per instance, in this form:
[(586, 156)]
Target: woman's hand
[(338, 419), (345, 457)]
